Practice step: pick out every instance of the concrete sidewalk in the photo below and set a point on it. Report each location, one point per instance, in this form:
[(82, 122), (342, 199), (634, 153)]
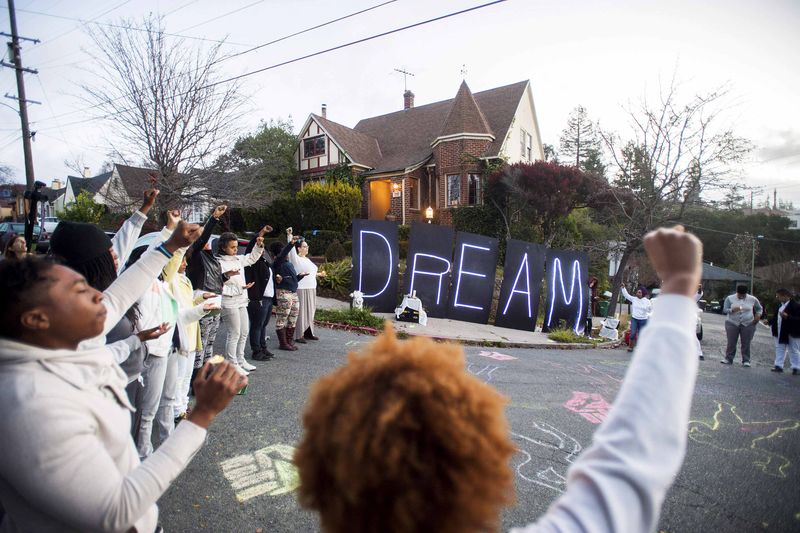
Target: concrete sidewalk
[(469, 333)]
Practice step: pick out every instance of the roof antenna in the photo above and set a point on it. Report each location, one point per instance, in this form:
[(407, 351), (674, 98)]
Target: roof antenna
[(405, 74), (464, 72)]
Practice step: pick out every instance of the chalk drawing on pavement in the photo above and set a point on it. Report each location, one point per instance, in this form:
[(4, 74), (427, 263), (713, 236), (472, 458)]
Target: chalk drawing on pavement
[(483, 372), (550, 472), (605, 382), (496, 355), (592, 407), (268, 471), (727, 431)]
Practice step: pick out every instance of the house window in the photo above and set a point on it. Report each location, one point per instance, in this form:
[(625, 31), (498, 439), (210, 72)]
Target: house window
[(523, 135), (453, 189), (413, 193), (525, 145), (428, 192), (313, 147), (474, 181)]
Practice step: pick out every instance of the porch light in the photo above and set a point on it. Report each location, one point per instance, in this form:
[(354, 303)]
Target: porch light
[(429, 214), (395, 187)]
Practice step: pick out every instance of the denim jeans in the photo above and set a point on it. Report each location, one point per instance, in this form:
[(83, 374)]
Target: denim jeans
[(259, 312), (637, 325)]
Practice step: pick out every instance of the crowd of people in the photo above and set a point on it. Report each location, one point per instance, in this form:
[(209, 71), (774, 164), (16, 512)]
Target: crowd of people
[(108, 339)]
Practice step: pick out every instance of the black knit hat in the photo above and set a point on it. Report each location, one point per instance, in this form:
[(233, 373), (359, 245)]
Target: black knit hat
[(79, 243)]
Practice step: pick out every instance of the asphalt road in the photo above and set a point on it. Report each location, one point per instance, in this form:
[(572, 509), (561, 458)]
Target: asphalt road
[(741, 474)]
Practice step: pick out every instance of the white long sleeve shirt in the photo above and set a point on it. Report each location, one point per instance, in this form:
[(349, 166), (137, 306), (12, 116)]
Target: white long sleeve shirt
[(125, 238), (619, 483), (68, 462), (304, 265), (234, 295), (640, 307)]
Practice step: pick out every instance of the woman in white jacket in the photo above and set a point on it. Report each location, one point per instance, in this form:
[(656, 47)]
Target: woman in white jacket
[(234, 296), (68, 461)]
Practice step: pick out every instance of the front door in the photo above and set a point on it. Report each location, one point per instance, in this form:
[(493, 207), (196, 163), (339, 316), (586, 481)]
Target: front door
[(380, 199)]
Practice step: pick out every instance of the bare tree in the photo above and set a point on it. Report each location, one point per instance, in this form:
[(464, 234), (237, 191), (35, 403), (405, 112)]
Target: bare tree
[(674, 152), (167, 104)]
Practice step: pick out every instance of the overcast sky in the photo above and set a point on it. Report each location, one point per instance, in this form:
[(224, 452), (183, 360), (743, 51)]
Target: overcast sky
[(600, 54)]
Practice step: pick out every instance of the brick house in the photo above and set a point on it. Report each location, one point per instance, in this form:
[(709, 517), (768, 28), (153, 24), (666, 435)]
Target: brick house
[(429, 156)]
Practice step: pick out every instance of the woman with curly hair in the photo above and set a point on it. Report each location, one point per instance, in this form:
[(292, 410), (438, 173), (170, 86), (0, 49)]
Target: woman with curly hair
[(402, 439)]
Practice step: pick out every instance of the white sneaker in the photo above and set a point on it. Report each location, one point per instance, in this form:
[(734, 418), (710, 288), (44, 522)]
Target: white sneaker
[(242, 371), (247, 366), (746, 364)]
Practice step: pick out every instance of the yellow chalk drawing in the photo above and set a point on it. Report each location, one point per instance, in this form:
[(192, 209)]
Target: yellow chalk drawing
[(267, 471), (727, 431)]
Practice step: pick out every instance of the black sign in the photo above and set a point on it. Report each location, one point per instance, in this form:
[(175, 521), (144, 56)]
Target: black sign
[(518, 305), (473, 278), (428, 266), (567, 290), (375, 257)]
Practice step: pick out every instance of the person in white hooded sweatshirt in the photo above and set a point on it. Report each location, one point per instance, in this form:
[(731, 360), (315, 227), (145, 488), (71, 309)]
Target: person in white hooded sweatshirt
[(68, 462)]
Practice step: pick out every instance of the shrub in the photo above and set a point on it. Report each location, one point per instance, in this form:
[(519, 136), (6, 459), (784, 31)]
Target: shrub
[(331, 206), (337, 279), (403, 246), (480, 219), (319, 240), (403, 232), (353, 317), (569, 336), (348, 248), (280, 214), (335, 252), (83, 209)]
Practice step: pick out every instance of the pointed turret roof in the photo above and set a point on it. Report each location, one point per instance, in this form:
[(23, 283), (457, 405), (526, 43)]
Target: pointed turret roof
[(465, 116)]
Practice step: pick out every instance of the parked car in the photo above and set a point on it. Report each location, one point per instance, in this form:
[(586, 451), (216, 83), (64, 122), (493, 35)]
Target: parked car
[(50, 224), (19, 229)]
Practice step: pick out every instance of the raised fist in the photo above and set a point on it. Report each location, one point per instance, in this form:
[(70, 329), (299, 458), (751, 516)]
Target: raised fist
[(184, 235), (219, 211), (677, 258)]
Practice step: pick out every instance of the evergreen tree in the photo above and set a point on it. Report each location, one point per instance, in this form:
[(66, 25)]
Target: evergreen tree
[(578, 138)]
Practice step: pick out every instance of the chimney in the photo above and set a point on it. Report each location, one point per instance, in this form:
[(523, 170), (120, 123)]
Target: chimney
[(56, 184), (86, 172), (408, 100), (324, 110)]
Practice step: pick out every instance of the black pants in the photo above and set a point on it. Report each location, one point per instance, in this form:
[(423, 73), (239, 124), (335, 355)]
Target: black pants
[(259, 313)]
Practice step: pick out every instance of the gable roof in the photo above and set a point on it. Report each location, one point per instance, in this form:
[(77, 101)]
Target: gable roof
[(135, 179), (465, 116), (405, 136), (91, 185), (362, 149), (715, 273)]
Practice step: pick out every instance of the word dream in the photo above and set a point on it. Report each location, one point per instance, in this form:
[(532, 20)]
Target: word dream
[(453, 273)]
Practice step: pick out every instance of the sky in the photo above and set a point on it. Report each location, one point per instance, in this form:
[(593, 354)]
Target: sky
[(603, 54)]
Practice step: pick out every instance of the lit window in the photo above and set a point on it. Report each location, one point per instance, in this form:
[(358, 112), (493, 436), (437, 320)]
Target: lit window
[(453, 189), (313, 147)]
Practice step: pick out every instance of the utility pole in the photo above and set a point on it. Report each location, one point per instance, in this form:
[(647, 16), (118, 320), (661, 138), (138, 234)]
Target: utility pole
[(16, 57)]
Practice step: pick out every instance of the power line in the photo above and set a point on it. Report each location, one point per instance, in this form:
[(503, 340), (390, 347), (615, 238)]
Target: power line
[(306, 30), (733, 234), (76, 27), (225, 58), (121, 26), (223, 15), (313, 54)]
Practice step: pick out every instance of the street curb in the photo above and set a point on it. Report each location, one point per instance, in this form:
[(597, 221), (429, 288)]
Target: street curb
[(466, 342)]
